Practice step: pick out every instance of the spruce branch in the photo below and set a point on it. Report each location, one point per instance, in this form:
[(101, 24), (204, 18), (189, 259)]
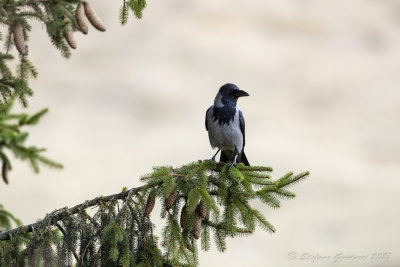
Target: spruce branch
[(120, 232), (62, 18), (13, 138)]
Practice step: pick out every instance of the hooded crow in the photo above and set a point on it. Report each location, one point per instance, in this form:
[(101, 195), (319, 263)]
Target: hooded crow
[(225, 125)]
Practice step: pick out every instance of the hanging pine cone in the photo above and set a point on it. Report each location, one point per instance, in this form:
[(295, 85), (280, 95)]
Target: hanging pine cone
[(92, 17), (19, 40), (183, 217), (169, 202), (202, 209), (81, 19), (197, 226), (4, 172), (151, 201), (69, 36), (207, 217)]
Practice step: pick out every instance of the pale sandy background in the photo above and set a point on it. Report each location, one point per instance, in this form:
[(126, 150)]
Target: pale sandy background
[(324, 83)]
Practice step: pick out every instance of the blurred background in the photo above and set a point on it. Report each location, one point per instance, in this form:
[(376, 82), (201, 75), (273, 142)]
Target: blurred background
[(323, 78)]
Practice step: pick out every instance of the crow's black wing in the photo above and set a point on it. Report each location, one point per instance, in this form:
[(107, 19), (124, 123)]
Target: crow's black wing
[(206, 117), (243, 157), (242, 125)]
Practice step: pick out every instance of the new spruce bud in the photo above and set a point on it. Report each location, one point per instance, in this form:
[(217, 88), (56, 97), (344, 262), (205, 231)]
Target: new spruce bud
[(151, 201), (92, 17), (81, 19), (19, 40)]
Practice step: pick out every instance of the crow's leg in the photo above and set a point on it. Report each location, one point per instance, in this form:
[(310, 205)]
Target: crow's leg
[(213, 158), (234, 158)]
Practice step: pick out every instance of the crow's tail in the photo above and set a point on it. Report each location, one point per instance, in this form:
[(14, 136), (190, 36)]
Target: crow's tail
[(243, 159)]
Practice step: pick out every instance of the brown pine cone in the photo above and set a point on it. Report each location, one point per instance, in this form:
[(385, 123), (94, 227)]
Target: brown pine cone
[(151, 201), (69, 36), (4, 172), (92, 17), (183, 217), (169, 202), (207, 218), (81, 19), (197, 226), (19, 40), (202, 209)]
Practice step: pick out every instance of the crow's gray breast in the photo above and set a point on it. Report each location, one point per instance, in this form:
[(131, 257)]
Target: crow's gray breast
[(225, 135)]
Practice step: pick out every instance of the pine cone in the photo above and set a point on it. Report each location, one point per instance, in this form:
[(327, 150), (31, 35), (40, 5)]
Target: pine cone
[(202, 209), (81, 19), (151, 201), (19, 40), (4, 172), (183, 217), (197, 226), (92, 17), (207, 218), (169, 202), (69, 36)]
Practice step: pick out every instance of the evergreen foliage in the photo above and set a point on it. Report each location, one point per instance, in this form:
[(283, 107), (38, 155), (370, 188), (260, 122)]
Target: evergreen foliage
[(120, 233), (7, 220), (135, 6), (12, 140), (61, 20)]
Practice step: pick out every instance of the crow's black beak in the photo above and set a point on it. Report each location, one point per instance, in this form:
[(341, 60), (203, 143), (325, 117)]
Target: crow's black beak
[(240, 93)]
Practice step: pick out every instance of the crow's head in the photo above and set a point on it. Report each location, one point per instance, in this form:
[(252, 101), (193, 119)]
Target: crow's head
[(229, 93)]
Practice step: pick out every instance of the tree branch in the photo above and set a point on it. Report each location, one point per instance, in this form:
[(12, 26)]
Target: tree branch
[(76, 209)]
